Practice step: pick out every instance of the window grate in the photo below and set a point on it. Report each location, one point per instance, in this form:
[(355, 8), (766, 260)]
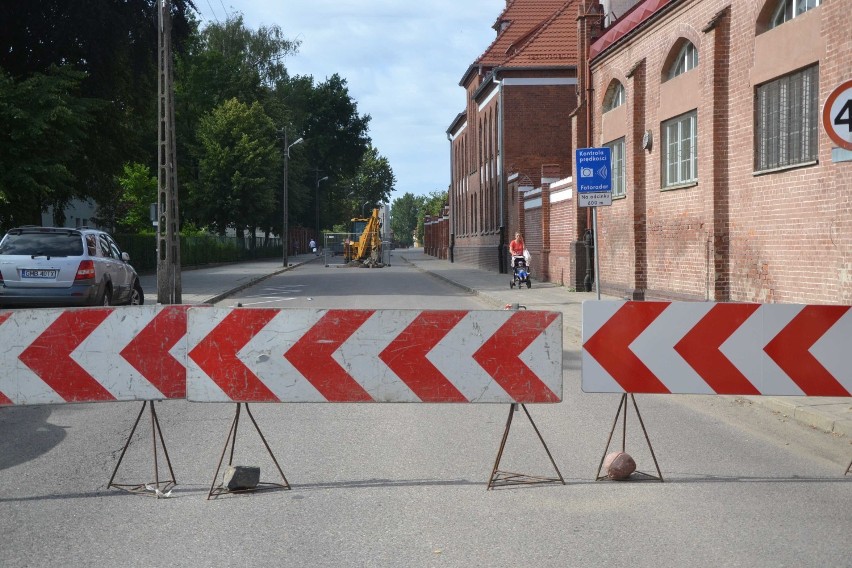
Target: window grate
[(786, 121)]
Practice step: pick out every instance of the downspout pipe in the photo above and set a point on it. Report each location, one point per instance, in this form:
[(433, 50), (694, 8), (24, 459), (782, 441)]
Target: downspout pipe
[(452, 200), (501, 248)]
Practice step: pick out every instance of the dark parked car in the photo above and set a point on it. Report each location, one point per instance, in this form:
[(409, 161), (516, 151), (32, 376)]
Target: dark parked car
[(46, 266)]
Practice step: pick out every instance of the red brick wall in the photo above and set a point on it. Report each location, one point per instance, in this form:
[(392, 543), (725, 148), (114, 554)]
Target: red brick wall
[(562, 267), (734, 235), (536, 131)]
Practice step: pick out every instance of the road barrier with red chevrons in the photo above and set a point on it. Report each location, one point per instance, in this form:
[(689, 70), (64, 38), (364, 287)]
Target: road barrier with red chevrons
[(303, 355), (54, 356), (717, 348)]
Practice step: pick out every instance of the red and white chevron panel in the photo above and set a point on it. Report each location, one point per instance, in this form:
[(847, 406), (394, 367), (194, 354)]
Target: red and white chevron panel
[(717, 348), (304, 355), (50, 356)]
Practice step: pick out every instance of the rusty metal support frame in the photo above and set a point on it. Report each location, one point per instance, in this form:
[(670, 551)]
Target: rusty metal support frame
[(215, 490), (507, 478), (623, 403), (160, 488), (848, 468)]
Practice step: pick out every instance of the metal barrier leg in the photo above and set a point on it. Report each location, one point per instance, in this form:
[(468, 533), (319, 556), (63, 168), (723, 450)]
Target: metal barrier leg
[(504, 478), (623, 403), (216, 490), (147, 488), (848, 469)]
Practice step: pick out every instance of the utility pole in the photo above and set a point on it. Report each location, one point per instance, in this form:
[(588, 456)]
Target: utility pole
[(316, 199), (285, 236), (168, 234)]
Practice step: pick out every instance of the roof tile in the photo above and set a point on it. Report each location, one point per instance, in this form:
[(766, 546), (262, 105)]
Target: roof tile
[(553, 43), (526, 20)]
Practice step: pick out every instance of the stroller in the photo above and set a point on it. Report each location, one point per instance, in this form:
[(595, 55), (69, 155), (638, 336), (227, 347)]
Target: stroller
[(520, 272)]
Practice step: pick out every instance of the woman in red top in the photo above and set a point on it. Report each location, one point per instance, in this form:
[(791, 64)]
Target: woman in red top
[(516, 247)]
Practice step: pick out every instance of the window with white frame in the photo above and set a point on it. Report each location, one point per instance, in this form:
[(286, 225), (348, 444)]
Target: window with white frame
[(786, 10), (786, 119), (680, 150), (687, 59), (614, 96), (618, 175)]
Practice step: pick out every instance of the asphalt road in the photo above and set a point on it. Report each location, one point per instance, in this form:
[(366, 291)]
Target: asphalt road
[(404, 484)]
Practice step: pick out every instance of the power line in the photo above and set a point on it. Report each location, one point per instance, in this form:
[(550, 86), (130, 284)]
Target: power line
[(212, 11), (227, 15)]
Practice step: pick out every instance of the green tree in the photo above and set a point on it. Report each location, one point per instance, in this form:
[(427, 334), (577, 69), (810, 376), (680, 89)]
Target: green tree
[(433, 205), (130, 209), (371, 185), (226, 61), (229, 60), (238, 167), (336, 138), (113, 46), (404, 214), (45, 130)]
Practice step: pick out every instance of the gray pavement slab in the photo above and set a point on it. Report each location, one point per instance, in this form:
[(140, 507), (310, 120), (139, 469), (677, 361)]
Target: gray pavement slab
[(209, 284), (214, 283)]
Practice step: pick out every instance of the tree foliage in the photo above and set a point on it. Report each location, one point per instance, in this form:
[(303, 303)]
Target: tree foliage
[(230, 60), (45, 130), (336, 137), (138, 190), (78, 102), (97, 60), (405, 212), (433, 205), (238, 167), (373, 181)]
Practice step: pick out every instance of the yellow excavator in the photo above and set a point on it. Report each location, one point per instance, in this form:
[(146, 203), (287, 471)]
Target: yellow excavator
[(366, 242)]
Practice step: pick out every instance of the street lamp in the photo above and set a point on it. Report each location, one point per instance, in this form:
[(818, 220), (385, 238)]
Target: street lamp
[(284, 242), (363, 213), (316, 197)]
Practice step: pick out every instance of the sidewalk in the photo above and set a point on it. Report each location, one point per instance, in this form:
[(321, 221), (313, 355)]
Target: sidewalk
[(210, 285)]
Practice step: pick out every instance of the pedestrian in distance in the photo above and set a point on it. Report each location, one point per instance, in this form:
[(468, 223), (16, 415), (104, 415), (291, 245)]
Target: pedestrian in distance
[(313, 247), (518, 250), (516, 247)]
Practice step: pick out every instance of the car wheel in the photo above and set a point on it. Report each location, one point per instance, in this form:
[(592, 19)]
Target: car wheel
[(137, 297)]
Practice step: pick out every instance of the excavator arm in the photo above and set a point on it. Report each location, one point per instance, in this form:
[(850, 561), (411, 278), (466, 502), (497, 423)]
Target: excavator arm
[(368, 243)]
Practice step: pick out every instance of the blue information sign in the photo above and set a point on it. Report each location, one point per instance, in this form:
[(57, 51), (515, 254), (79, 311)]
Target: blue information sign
[(594, 176)]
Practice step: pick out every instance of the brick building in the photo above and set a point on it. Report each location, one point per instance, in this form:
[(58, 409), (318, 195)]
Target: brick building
[(520, 94), (727, 186)]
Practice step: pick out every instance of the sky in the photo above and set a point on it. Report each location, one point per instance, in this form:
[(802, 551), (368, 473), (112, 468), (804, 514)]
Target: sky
[(402, 60)]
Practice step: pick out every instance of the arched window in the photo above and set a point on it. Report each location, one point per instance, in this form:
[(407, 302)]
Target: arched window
[(786, 10), (687, 58), (614, 96)]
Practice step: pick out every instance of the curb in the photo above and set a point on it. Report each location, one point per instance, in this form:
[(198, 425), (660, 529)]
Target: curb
[(467, 289), (252, 282), (805, 415)]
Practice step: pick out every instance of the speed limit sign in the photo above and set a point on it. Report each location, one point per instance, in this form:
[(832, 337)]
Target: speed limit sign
[(837, 115)]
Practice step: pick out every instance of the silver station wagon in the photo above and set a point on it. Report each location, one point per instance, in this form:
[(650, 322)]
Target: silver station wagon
[(46, 266)]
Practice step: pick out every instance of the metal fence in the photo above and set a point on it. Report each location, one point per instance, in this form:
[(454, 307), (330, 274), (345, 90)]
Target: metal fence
[(333, 246), (198, 250)]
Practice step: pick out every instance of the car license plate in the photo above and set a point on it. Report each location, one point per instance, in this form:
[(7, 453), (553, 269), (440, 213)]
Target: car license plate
[(29, 273)]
